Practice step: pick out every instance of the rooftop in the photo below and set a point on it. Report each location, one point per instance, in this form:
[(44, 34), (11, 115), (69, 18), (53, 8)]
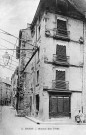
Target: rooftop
[(64, 7)]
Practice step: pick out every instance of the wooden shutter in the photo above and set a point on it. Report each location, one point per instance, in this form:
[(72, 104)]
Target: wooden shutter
[(61, 24), (60, 104), (66, 105), (60, 75), (61, 27), (61, 50), (53, 106), (61, 53), (60, 80)]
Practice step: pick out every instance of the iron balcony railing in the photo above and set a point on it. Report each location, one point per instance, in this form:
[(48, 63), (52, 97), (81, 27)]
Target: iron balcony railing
[(60, 85), (58, 33), (62, 33), (61, 59)]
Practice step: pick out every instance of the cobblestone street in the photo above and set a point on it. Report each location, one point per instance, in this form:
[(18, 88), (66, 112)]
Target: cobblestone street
[(14, 125)]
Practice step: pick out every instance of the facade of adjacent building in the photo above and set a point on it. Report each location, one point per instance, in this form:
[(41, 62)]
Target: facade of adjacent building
[(5, 91), (14, 81), (52, 68)]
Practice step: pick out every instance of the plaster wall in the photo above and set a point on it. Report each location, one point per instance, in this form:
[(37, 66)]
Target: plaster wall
[(76, 104), (73, 48), (75, 79), (73, 76), (76, 29)]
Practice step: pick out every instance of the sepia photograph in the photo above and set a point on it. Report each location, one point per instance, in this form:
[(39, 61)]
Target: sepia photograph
[(42, 67)]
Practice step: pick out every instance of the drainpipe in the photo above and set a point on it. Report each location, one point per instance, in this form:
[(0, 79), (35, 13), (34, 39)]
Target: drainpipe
[(83, 72), (35, 77)]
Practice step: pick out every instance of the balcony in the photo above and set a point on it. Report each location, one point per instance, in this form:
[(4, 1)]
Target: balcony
[(61, 60), (61, 34), (60, 85)]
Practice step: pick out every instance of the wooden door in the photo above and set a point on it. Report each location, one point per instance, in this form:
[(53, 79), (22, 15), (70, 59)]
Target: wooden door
[(53, 106), (59, 106)]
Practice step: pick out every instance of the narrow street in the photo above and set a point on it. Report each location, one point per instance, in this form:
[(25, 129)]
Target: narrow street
[(14, 125)]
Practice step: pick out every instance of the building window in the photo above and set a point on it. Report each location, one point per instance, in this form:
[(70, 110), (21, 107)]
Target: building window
[(30, 104), (60, 82), (38, 53), (61, 53), (38, 77), (62, 27), (39, 29), (60, 75), (23, 44), (33, 32), (37, 104)]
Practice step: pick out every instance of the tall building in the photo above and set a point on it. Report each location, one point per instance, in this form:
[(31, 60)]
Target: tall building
[(53, 66)]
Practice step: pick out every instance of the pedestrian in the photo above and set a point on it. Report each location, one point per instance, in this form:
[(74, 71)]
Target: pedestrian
[(77, 117)]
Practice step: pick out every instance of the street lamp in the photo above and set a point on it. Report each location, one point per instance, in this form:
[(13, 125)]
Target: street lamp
[(6, 58)]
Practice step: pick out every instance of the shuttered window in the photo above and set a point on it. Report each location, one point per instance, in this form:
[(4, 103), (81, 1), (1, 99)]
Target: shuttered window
[(61, 52), (60, 75), (61, 27), (60, 80), (17, 52), (38, 76), (37, 102)]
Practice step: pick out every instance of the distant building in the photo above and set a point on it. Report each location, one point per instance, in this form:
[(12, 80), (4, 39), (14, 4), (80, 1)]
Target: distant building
[(52, 80), (5, 91)]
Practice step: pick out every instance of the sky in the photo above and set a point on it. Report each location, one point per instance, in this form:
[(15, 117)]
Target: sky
[(14, 15)]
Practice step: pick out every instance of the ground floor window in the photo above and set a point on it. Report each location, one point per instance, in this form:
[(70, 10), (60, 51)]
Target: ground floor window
[(37, 102), (30, 104), (59, 105)]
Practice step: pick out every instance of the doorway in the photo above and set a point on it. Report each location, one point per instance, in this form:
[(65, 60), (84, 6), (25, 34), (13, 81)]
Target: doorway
[(59, 105), (37, 104)]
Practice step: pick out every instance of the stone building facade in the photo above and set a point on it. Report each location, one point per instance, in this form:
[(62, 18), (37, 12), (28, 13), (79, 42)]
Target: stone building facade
[(14, 81), (53, 65), (5, 91)]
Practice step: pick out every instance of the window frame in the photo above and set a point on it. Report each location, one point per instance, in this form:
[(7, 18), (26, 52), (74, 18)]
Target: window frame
[(62, 19), (37, 77)]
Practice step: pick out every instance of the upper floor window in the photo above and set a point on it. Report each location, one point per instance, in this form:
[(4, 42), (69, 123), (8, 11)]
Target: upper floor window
[(39, 29), (33, 32), (61, 53), (60, 75), (62, 27), (38, 53), (37, 76)]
